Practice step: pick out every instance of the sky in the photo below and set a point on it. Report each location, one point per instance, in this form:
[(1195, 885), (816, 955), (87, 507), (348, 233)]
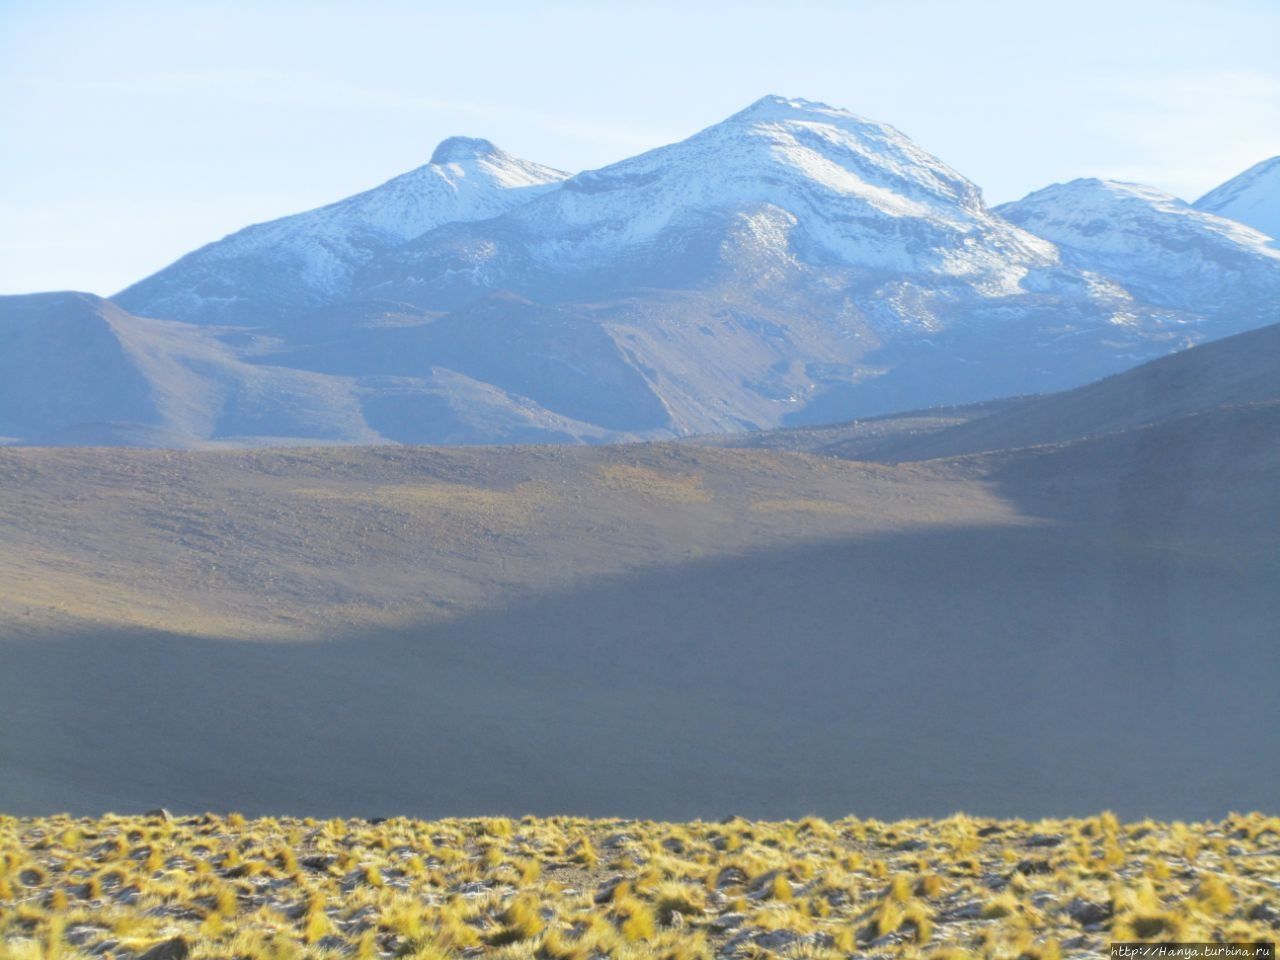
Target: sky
[(133, 131)]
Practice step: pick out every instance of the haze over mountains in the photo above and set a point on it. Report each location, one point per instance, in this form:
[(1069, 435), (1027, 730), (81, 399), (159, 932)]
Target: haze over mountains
[(794, 264)]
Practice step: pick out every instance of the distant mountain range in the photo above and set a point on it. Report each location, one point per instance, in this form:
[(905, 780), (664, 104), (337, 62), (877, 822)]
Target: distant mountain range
[(794, 264)]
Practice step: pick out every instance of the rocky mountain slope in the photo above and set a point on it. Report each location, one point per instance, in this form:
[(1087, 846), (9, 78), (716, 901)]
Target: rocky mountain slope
[(77, 369), (793, 264)]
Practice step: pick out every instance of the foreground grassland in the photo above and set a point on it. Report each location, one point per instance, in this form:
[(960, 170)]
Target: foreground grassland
[(561, 889)]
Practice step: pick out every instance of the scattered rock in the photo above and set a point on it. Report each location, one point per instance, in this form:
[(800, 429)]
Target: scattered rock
[(995, 881), (751, 940), (730, 877), (1265, 913), (81, 933), (889, 939), (127, 896), (176, 948), (366, 918), (1087, 913), (728, 921), (1044, 840), (174, 911), (1028, 867), (777, 939), (294, 911), (969, 910), (990, 831), (606, 890), (762, 886)]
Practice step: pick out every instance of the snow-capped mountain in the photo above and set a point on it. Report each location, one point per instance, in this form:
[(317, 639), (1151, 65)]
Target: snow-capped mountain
[(284, 267), (1159, 248), (830, 185), (1252, 198), (783, 183), (794, 263)]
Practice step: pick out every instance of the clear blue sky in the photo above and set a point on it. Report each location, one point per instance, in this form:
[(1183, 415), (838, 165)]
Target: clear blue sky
[(134, 131)]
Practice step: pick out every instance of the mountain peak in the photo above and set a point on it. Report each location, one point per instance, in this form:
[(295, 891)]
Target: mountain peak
[(776, 109), (460, 149), (1105, 187), (1163, 250)]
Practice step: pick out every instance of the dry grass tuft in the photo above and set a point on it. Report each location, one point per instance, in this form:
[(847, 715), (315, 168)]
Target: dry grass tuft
[(568, 889)]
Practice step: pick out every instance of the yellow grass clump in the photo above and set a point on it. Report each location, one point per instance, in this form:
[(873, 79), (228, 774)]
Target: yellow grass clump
[(570, 889)]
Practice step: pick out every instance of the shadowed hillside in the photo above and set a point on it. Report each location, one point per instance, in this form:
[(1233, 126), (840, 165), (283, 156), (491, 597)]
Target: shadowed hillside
[(1236, 371), (661, 630)]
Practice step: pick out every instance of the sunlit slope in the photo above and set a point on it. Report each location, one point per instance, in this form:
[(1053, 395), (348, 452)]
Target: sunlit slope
[(311, 542)]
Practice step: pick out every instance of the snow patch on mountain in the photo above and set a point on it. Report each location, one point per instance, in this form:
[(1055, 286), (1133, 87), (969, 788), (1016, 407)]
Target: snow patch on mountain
[(1156, 246), (308, 259), (1252, 198), (863, 194)]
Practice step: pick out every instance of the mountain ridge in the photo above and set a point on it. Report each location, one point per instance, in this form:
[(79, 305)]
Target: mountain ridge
[(793, 264), (466, 178), (1252, 197), (1165, 250)]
